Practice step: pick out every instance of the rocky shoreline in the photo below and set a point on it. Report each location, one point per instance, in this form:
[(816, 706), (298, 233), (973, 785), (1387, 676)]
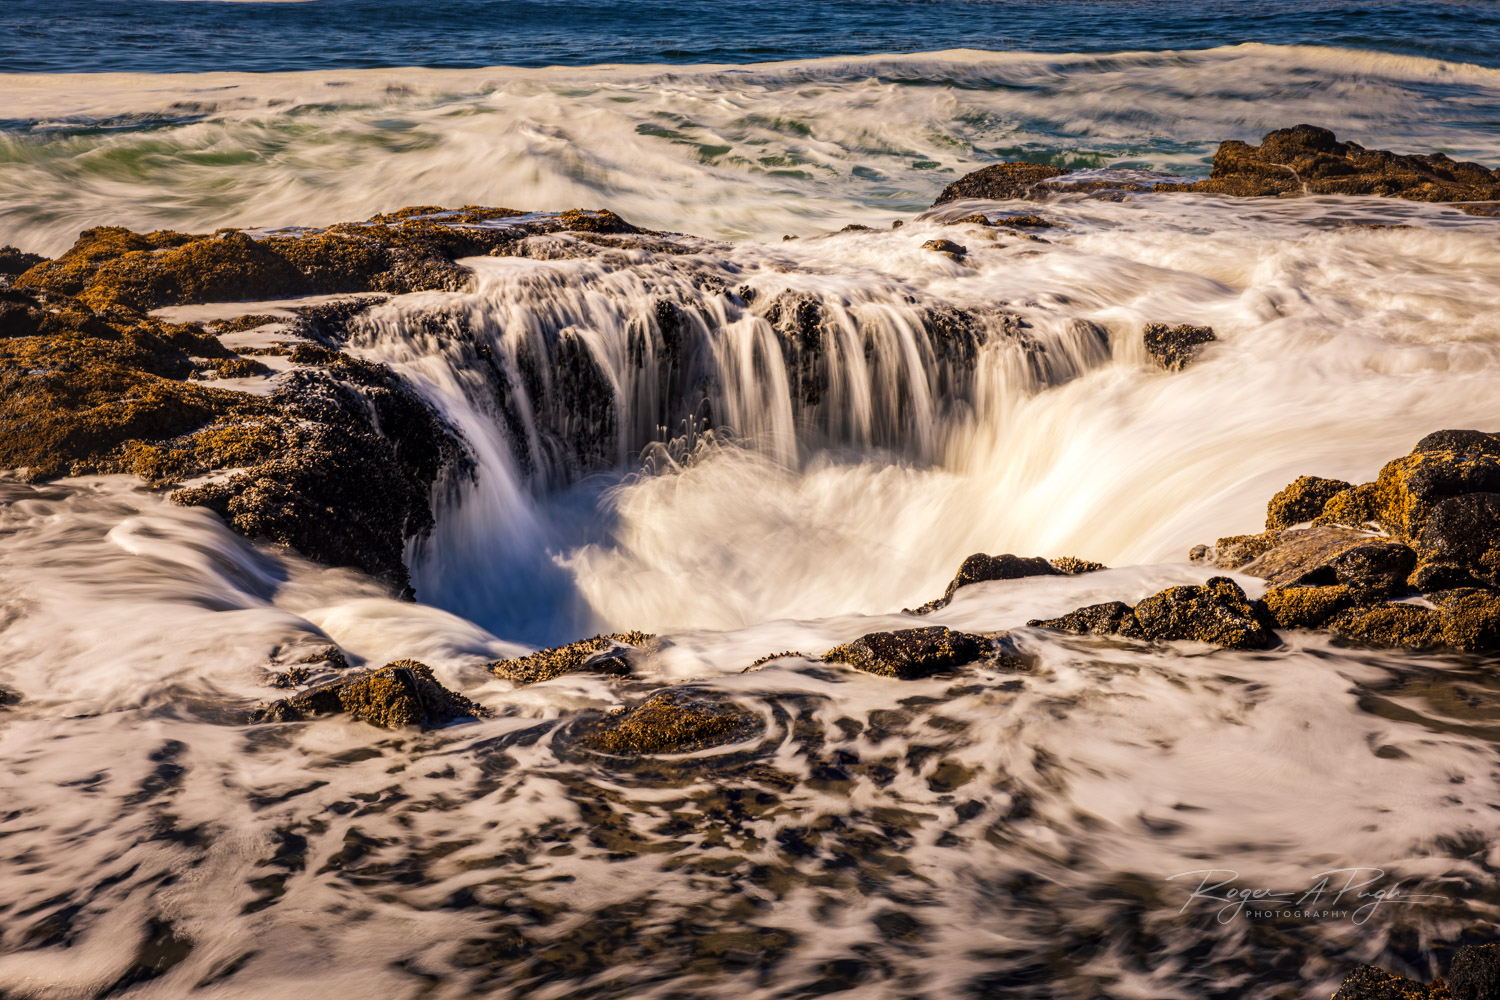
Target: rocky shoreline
[(341, 458)]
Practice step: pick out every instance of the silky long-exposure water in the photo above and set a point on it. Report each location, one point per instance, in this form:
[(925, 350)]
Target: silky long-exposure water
[(1031, 830)]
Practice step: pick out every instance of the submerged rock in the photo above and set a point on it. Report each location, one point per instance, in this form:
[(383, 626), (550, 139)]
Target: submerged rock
[(1217, 612), (948, 247), (602, 654), (1109, 618), (399, 694), (909, 654), (1302, 501), (1306, 159), (1173, 348), (678, 721)]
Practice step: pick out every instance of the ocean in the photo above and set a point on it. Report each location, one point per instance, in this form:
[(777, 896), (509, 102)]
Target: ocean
[(1017, 834)]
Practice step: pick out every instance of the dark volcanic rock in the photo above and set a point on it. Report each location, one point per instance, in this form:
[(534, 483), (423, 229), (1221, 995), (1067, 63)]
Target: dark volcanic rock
[(1370, 983), (1463, 533), (981, 568), (999, 181), (603, 654), (1174, 348), (1109, 618), (13, 261), (1216, 612), (679, 721), (399, 694), (1302, 501), (912, 653), (1306, 607), (1470, 619), (1306, 159), (1442, 465), (1475, 973)]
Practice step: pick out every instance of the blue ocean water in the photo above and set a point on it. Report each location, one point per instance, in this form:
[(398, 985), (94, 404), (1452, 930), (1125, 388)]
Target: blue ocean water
[(154, 36)]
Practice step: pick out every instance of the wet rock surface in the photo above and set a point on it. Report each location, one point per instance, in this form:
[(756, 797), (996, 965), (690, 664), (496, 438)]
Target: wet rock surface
[(982, 568), (1474, 974), (1405, 562), (1302, 501), (1306, 159), (909, 654), (681, 720), (1174, 348), (1216, 612), (602, 654), (397, 695)]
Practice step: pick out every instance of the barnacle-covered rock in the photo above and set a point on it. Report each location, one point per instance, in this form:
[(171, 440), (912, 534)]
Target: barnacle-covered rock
[(1173, 348), (399, 694)]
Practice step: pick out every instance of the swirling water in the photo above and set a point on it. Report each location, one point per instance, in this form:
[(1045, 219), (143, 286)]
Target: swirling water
[(987, 834)]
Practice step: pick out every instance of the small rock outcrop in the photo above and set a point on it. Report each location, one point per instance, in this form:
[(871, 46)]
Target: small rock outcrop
[(1302, 501), (982, 568), (1306, 159), (999, 182), (1216, 612), (676, 721), (947, 247), (1174, 348), (602, 654), (909, 654), (399, 694)]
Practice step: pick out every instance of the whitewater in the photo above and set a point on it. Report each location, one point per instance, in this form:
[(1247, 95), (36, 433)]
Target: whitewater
[(1027, 834)]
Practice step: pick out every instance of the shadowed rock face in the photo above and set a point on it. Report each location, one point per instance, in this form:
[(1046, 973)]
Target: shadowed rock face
[(911, 653), (397, 695), (1306, 159), (1475, 973), (1174, 348)]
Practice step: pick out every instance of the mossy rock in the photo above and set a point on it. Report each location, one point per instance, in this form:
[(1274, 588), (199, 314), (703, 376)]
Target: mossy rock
[(1355, 507), (602, 654), (399, 694), (1073, 566), (1443, 465), (1217, 612), (1390, 626), (670, 722), (1470, 619), (1234, 551), (909, 654), (1306, 607), (1303, 500)]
